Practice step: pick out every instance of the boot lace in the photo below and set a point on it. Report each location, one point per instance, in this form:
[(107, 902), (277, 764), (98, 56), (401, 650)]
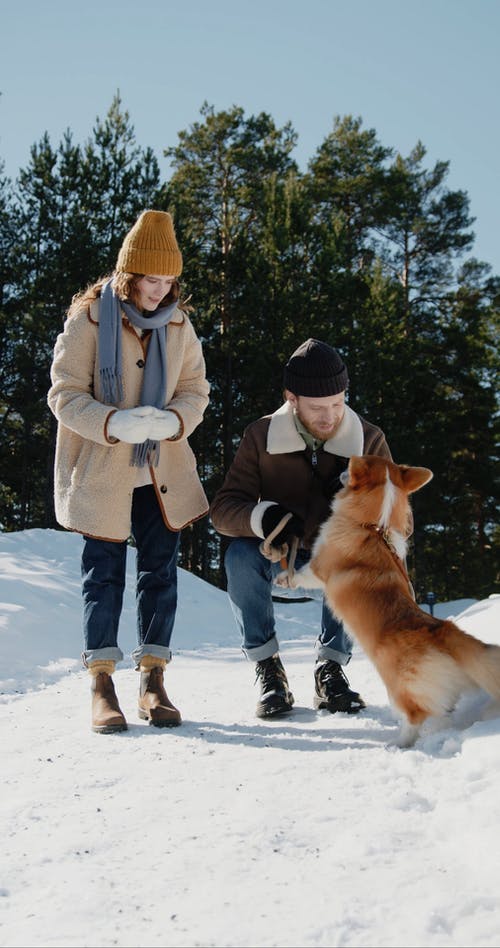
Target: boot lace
[(332, 679), (271, 673)]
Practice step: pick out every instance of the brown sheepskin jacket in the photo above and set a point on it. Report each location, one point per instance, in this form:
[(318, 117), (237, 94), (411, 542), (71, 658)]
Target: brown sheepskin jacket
[(273, 463), (94, 479)]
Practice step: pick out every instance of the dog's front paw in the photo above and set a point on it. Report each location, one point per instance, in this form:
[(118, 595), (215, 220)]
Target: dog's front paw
[(288, 582)]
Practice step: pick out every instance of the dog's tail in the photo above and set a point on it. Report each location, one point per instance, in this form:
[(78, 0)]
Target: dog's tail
[(480, 662)]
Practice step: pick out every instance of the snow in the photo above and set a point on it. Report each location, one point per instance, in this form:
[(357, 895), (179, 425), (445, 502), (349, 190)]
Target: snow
[(312, 830)]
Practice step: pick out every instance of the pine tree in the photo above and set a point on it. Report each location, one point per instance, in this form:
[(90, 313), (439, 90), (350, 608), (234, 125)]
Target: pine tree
[(226, 170)]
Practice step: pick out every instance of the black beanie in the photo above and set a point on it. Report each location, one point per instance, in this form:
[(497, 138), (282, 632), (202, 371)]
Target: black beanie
[(315, 370)]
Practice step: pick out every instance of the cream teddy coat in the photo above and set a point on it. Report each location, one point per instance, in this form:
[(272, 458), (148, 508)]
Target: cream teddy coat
[(94, 480)]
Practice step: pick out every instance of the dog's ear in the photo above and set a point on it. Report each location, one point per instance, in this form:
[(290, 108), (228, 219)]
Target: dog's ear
[(414, 477), (357, 470)]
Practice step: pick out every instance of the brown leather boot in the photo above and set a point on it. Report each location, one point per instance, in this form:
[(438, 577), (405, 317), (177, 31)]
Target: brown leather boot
[(106, 714), (154, 703)]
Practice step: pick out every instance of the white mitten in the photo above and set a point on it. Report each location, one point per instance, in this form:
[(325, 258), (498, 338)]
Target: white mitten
[(163, 424), (131, 424)]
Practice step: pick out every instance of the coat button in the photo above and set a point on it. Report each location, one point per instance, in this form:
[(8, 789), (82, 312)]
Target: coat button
[(140, 363), (163, 489)]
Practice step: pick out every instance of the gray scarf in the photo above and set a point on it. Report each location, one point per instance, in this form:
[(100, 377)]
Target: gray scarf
[(154, 385)]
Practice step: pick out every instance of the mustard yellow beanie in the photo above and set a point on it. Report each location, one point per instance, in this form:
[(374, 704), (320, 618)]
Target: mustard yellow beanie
[(150, 246)]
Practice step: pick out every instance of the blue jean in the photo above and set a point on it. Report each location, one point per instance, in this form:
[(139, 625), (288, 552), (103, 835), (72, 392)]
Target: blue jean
[(103, 584), (249, 584)]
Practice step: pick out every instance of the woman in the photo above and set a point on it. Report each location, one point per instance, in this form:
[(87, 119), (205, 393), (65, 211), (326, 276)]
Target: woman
[(128, 388)]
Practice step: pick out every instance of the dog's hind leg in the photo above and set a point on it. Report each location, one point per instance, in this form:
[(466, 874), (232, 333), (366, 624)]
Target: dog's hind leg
[(410, 715), (408, 734)]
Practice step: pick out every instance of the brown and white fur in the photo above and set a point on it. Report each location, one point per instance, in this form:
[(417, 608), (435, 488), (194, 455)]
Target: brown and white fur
[(358, 560)]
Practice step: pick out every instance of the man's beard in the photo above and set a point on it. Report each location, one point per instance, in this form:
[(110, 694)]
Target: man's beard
[(315, 432)]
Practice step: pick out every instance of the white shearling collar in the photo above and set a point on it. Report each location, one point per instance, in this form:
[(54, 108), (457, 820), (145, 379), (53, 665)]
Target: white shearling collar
[(283, 437)]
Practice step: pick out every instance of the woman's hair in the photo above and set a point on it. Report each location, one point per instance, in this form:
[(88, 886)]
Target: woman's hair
[(125, 287)]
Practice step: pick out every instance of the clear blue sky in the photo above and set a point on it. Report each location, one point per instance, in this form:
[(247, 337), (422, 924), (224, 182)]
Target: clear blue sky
[(413, 70)]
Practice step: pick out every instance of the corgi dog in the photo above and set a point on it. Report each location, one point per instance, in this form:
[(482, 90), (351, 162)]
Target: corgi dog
[(358, 559)]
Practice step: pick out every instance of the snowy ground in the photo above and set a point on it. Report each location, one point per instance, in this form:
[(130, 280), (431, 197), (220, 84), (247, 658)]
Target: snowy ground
[(228, 831)]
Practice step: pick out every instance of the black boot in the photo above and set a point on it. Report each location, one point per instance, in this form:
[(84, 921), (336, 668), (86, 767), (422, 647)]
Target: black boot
[(276, 697), (332, 690)]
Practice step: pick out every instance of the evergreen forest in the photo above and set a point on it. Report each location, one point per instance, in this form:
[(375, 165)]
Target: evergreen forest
[(367, 249)]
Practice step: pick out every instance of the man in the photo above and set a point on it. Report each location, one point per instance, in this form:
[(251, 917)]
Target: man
[(290, 463)]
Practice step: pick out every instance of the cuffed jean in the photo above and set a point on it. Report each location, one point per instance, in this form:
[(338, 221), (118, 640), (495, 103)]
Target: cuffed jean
[(249, 584), (103, 584)]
